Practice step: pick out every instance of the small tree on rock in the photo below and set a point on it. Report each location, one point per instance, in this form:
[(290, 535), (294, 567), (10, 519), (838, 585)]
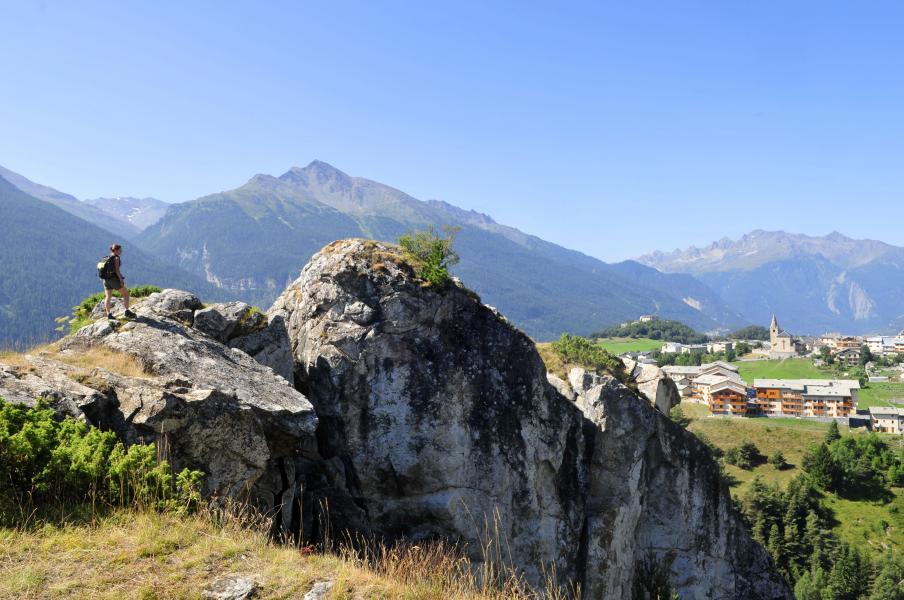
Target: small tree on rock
[(432, 254)]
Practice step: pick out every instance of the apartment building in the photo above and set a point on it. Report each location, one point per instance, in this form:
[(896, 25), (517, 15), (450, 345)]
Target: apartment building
[(805, 397)]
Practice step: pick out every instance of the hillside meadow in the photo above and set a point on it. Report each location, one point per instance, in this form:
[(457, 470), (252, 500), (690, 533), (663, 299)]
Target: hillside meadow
[(871, 525), (619, 345)]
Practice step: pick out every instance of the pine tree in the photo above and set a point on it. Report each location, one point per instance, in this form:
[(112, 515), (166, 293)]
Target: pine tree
[(811, 586), (832, 434), (887, 585), (848, 579), (775, 547)]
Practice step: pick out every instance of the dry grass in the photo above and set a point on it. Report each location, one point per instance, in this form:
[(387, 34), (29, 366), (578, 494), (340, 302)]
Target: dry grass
[(104, 358), (553, 360), (134, 554)]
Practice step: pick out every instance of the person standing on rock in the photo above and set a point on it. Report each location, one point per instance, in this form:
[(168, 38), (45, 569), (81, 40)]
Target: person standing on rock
[(113, 280)]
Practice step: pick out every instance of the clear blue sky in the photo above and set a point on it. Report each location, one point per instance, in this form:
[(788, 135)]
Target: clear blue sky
[(613, 128)]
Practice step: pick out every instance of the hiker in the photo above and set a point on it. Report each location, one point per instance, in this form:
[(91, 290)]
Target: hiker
[(113, 280)]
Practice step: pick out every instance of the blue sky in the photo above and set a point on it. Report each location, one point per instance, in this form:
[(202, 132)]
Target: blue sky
[(611, 128)]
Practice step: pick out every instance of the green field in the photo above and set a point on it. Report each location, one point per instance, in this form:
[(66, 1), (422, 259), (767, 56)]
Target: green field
[(791, 436), (870, 525), (619, 345), (789, 368), (881, 394)]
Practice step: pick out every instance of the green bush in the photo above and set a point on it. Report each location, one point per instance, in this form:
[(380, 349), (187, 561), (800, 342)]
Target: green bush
[(45, 461), (746, 456), (432, 254), (81, 314), (576, 350)]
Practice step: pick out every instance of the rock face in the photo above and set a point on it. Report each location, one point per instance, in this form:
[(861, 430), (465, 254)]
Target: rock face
[(442, 419), (434, 418), (655, 385)]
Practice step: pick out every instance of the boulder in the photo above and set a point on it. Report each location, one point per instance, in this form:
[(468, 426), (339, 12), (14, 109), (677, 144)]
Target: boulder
[(226, 320), (269, 346), (440, 418), (655, 385)]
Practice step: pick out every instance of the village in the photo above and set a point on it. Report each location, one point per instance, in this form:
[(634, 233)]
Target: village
[(719, 385)]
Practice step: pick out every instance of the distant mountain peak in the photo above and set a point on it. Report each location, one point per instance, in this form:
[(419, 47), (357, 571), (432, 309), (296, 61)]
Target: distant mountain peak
[(316, 171)]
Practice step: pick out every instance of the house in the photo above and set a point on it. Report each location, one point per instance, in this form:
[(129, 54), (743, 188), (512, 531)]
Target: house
[(805, 397), (727, 398), (848, 356), (683, 378), (829, 340), (693, 349), (886, 419), (672, 348), (647, 318), (695, 383), (848, 342), (714, 347)]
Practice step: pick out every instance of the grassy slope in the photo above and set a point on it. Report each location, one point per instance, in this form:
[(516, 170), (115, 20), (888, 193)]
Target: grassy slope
[(153, 556), (858, 522), (790, 368), (880, 394), (619, 345)]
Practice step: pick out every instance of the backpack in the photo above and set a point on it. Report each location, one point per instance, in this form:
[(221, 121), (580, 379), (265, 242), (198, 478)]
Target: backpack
[(106, 268)]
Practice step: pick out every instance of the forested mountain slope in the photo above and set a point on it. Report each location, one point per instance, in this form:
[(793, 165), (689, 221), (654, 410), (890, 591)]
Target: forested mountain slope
[(49, 258), (122, 228)]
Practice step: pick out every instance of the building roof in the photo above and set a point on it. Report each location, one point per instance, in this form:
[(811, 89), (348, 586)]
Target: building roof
[(875, 411), (848, 351), (842, 386), (729, 384), (711, 379), (719, 363), (678, 370)]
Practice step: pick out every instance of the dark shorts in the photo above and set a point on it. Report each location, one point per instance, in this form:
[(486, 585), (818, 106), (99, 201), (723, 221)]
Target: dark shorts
[(112, 284)]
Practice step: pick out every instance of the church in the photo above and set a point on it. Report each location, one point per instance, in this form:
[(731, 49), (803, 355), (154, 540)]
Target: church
[(782, 344)]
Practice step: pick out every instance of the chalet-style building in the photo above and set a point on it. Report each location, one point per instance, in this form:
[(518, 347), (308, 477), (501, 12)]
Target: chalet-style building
[(716, 384), (886, 419), (848, 356), (805, 397), (727, 398)]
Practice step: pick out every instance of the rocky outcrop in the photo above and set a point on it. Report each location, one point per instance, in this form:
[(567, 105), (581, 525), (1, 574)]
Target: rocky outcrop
[(442, 419), (209, 406), (434, 418), (655, 385)]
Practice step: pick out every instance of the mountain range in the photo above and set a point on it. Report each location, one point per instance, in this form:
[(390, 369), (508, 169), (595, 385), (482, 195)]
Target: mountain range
[(250, 242), (254, 240), (815, 284), (138, 212)]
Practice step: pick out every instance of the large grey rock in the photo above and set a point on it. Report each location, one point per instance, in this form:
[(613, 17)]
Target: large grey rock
[(174, 304), (231, 588), (269, 346), (439, 412), (441, 418), (226, 320), (215, 408), (655, 385), (655, 488)]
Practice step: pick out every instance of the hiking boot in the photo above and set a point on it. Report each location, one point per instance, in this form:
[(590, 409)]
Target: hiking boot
[(129, 314)]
